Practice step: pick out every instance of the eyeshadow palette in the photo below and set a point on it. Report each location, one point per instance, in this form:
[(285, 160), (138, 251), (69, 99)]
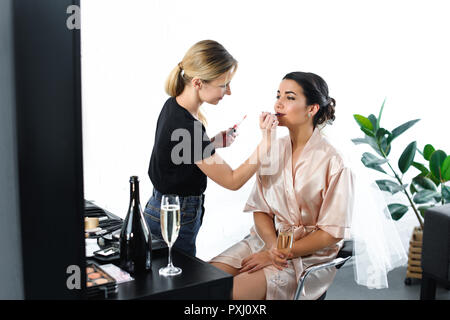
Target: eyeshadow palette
[(98, 282)]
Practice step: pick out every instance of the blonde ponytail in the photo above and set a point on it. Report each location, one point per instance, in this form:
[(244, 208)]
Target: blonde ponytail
[(175, 82), (206, 60)]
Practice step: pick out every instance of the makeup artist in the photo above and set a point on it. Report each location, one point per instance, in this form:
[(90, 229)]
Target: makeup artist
[(183, 156)]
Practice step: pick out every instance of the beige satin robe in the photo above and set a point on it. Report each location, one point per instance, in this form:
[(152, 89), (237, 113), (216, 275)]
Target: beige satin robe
[(319, 195)]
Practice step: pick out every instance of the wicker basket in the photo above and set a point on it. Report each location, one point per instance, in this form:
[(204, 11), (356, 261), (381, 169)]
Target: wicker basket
[(414, 269)]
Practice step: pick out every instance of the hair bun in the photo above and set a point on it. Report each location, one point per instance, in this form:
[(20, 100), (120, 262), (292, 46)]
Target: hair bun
[(326, 114), (331, 102)]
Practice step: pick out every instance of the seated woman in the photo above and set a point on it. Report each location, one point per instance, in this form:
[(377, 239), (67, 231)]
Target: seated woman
[(312, 190)]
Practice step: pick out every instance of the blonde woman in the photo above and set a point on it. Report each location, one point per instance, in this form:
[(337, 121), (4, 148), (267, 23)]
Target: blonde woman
[(183, 156)]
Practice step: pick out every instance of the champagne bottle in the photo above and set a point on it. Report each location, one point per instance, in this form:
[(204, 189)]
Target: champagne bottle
[(135, 236)]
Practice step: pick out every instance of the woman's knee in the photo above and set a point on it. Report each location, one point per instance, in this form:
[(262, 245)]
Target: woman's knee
[(250, 286)]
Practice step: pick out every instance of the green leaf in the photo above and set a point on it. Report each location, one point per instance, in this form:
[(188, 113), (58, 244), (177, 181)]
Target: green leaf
[(383, 137), (373, 162), (445, 169), (428, 151), (436, 181), (436, 161), (424, 196), (400, 129), (407, 157), (381, 132), (373, 120), (373, 143), (423, 170), (360, 141), (397, 210), (438, 197), (381, 112), (446, 193), (378, 168), (390, 186), (363, 122), (412, 189), (367, 131), (385, 145), (370, 159), (421, 183)]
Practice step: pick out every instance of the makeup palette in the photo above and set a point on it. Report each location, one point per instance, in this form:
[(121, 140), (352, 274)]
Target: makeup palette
[(98, 282)]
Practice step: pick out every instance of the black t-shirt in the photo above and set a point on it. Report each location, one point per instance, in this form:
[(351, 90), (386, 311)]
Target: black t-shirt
[(180, 141)]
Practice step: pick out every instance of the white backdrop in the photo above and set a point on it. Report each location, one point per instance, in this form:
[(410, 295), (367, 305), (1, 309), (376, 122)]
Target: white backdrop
[(365, 50)]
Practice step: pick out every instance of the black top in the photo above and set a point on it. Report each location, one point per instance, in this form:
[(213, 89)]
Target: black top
[(180, 141)]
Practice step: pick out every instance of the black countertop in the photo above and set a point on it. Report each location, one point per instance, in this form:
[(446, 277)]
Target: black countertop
[(199, 280)]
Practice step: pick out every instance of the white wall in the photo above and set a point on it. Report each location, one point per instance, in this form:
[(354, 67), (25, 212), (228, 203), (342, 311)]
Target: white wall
[(365, 50)]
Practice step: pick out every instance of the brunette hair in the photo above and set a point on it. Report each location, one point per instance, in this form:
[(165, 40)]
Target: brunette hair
[(315, 90)]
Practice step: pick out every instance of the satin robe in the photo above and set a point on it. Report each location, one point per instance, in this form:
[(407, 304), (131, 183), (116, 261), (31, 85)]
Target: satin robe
[(317, 193)]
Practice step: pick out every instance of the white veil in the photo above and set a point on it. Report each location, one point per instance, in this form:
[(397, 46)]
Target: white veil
[(377, 246)]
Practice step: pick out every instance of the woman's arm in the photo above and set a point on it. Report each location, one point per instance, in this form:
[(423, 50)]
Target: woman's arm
[(313, 242), (267, 256), (219, 171), (266, 229)]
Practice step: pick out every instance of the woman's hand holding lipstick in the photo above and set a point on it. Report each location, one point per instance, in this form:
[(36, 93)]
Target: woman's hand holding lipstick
[(268, 124), (268, 121), (224, 138)]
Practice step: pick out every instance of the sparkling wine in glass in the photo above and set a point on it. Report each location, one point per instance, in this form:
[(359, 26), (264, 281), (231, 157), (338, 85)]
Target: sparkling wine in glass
[(284, 245), (170, 227)]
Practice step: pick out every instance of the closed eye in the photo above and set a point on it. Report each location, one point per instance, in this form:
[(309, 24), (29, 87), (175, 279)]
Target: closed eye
[(289, 98)]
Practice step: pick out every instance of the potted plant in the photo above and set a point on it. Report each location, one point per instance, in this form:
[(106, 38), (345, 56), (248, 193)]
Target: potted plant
[(429, 187), (425, 190)]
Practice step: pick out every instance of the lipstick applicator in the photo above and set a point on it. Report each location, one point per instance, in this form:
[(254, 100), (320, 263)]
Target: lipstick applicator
[(231, 131), (234, 128)]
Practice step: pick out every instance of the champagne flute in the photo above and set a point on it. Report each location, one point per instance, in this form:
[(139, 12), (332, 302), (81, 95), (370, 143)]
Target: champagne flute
[(170, 226), (284, 245)]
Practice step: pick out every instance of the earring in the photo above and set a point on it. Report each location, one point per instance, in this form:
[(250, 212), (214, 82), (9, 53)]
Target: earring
[(309, 115)]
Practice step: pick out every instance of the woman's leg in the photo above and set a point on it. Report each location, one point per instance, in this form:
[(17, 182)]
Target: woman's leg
[(226, 267), (246, 286), (250, 286)]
